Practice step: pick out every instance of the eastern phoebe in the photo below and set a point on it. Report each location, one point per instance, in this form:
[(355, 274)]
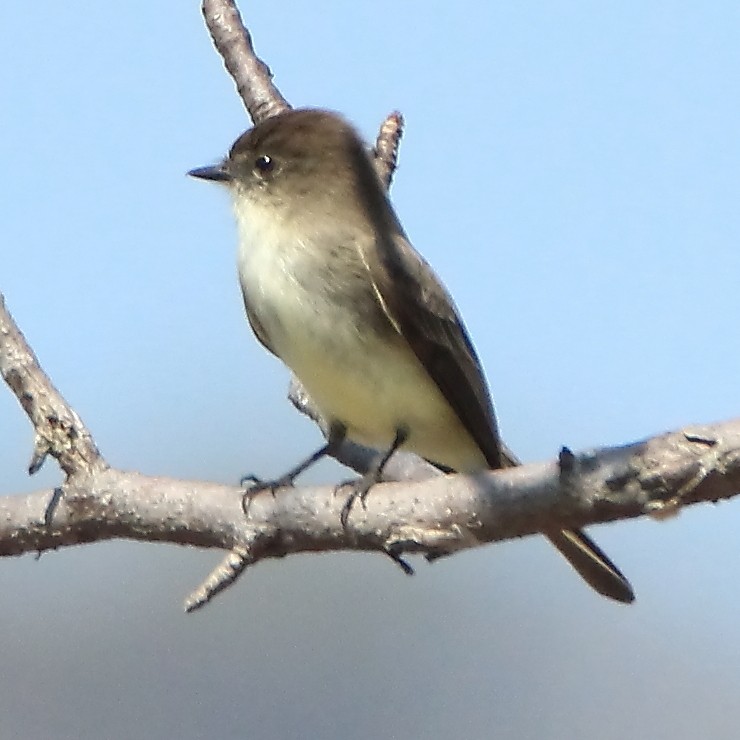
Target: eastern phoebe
[(333, 287)]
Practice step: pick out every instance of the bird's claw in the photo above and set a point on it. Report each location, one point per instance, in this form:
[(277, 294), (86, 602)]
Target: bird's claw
[(260, 486), (394, 553), (359, 488)]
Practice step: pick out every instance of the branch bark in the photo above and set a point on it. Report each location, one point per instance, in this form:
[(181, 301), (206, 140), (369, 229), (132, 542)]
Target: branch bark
[(429, 514), (417, 511), (59, 431)]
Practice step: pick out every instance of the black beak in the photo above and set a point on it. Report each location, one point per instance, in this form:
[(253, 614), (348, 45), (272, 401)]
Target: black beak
[(216, 173)]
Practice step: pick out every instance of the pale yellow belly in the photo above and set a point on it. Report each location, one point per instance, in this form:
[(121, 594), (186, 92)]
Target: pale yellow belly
[(379, 387)]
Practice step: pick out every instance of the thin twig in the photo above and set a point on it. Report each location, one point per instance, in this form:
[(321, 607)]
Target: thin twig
[(386, 147), (252, 76), (59, 430)]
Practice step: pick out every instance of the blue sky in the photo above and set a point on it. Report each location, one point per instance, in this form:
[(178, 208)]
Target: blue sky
[(572, 172)]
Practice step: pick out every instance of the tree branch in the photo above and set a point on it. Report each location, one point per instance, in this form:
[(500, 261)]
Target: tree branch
[(439, 515), (425, 513), (252, 76), (59, 430), (386, 147)]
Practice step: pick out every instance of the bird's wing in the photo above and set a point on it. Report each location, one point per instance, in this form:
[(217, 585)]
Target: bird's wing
[(423, 312)]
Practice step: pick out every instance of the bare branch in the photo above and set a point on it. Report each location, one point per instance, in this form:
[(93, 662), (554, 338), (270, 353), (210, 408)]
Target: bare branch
[(252, 76), (386, 147), (228, 570), (434, 517), (59, 430)]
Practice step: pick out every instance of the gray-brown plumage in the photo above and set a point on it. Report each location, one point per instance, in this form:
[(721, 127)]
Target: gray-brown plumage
[(333, 287)]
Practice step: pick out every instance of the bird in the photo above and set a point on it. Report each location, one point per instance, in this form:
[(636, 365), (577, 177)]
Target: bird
[(334, 288)]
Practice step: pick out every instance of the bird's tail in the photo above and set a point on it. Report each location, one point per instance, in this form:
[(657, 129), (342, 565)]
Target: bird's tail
[(584, 555), (592, 564)]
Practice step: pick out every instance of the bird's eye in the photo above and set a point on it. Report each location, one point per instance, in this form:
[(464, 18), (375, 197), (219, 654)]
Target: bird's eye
[(264, 164)]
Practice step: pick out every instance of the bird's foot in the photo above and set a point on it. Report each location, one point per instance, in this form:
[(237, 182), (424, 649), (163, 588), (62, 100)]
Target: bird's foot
[(257, 485), (395, 554), (358, 489)]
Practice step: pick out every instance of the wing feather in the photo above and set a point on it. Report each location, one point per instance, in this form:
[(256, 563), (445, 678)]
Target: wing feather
[(423, 311)]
